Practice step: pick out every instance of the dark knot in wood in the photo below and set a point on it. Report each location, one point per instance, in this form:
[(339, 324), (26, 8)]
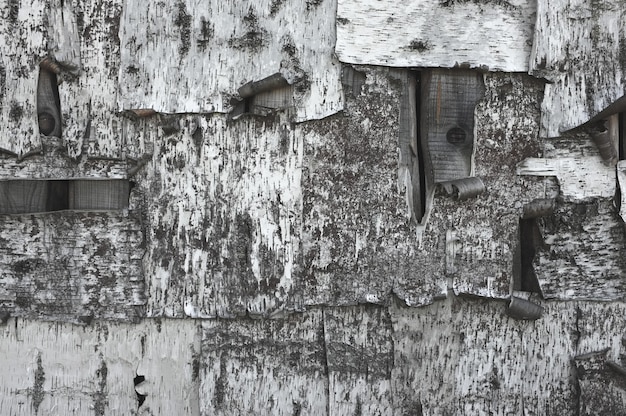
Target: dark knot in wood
[(46, 123)]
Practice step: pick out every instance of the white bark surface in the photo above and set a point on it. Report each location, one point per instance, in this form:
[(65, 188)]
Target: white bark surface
[(492, 35), (578, 47), (191, 56)]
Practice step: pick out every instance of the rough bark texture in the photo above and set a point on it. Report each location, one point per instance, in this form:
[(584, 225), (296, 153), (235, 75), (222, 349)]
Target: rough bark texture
[(285, 236)]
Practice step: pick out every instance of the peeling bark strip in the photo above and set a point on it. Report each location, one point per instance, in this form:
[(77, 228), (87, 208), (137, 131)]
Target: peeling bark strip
[(579, 47), (246, 43), (433, 33)]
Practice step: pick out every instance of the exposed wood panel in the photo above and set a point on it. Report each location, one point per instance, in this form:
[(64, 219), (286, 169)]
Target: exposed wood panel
[(191, 56), (578, 47), (432, 33), (62, 369), (23, 32), (72, 266), (269, 367)]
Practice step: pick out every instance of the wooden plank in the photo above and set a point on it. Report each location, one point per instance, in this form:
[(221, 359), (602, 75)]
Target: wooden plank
[(72, 266), (23, 32), (446, 122), (276, 367), (191, 56), (69, 369), (578, 48), (432, 33)]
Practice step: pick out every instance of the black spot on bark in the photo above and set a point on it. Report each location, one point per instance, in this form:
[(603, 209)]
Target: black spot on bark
[(275, 6), (198, 138), (14, 9), (343, 20), (37, 391), (3, 82), (183, 22), (132, 70), (418, 45), (27, 265), (206, 33), (100, 398), (310, 4), (220, 383), (255, 36), (16, 112), (4, 317)]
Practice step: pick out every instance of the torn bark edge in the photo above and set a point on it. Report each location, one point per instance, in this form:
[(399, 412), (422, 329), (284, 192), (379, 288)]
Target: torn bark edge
[(616, 368), (538, 208), (462, 189), (141, 112), (602, 138), (252, 88), (140, 163), (523, 309), (61, 69)]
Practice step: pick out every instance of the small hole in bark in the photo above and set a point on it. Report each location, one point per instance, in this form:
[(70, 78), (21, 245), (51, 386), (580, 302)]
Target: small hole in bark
[(456, 135), (140, 397)]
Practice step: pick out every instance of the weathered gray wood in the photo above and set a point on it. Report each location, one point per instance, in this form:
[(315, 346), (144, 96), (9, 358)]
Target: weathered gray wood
[(432, 33), (578, 47), (192, 56), (448, 98)]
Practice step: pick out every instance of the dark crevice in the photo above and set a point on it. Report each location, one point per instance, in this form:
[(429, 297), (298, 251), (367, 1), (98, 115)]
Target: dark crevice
[(48, 100), (531, 241), (58, 197), (421, 208), (140, 397)]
